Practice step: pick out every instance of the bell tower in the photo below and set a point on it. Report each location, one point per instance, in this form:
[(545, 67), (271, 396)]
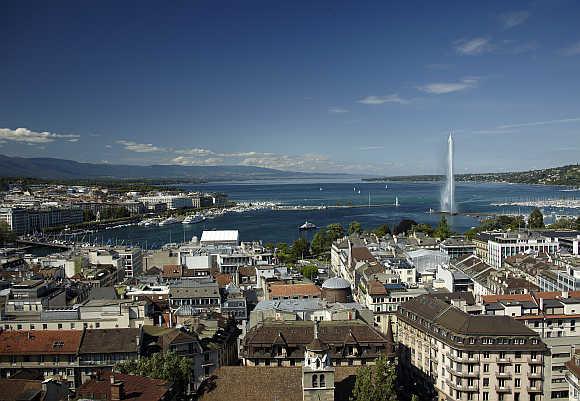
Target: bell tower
[(317, 371)]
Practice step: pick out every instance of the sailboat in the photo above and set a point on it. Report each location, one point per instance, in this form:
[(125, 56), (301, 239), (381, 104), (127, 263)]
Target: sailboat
[(359, 191), (386, 186), (396, 201)]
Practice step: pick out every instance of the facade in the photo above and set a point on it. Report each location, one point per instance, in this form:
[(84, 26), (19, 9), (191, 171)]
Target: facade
[(501, 245), (466, 357), (457, 247), (351, 343), (24, 220), (172, 202)]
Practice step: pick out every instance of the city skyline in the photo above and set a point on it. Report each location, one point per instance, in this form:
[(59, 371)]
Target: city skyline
[(359, 88)]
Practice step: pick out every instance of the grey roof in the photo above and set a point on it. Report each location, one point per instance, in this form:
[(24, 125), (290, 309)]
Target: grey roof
[(336, 283)]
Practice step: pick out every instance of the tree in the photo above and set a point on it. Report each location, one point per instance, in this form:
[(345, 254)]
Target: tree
[(88, 215), (166, 366), (6, 233), (423, 228), (442, 231), (309, 271), (334, 231), (382, 230), (536, 219), (404, 226), (354, 228), (300, 248), (376, 383), (564, 224), (320, 242)]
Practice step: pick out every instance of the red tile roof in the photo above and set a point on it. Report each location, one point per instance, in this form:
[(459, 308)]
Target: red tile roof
[(172, 271), (290, 290), (37, 342), (137, 388)]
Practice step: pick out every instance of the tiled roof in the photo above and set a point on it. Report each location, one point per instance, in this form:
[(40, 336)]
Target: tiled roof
[(377, 288), (264, 383), (48, 342), (172, 271), (20, 390), (137, 388), (290, 290), (110, 341)]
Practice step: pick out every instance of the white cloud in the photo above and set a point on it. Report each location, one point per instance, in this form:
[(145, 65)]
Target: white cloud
[(539, 123), (572, 50), (337, 110), (195, 161), (140, 147), (440, 88), (194, 152), (27, 136), (392, 98), (513, 19), (364, 148), (473, 47)]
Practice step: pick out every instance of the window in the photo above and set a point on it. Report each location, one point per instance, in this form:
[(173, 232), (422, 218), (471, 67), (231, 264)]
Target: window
[(486, 382), (516, 382), (314, 380), (517, 368), (322, 381), (485, 396), (486, 367)]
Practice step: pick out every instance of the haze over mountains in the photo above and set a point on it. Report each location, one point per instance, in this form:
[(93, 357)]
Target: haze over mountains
[(51, 168)]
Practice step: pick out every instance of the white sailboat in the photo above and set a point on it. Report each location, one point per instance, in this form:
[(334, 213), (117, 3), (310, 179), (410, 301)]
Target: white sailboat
[(396, 201)]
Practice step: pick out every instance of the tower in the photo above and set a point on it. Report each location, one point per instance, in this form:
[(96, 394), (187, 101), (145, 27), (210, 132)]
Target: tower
[(317, 371)]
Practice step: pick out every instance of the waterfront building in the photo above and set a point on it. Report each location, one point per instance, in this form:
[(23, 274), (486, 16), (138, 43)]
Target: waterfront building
[(220, 237), (172, 202), (467, 357), (30, 220)]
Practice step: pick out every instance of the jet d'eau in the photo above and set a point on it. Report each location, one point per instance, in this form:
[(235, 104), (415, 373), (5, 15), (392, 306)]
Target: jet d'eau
[(448, 191)]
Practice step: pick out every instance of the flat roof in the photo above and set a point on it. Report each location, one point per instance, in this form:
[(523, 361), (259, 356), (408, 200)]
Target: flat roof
[(220, 235)]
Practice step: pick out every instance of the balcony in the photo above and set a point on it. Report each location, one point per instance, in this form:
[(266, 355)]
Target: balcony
[(503, 389), (463, 359), (460, 373), (504, 375), (537, 375), (463, 387), (538, 388), (505, 359)]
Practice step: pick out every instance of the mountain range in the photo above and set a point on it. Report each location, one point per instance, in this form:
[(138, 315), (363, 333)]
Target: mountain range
[(51, 168)]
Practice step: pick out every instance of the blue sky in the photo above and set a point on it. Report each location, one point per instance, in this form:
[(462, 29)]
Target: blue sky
[(345, 86)]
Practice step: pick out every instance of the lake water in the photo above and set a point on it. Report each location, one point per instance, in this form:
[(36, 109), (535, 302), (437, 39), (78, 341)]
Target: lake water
[(415, 200)]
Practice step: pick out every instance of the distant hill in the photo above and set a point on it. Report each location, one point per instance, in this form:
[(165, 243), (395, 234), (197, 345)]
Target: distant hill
[(50, 168), (565, 175)]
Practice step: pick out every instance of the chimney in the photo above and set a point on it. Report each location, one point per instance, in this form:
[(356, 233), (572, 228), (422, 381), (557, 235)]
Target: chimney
[(117, 389)]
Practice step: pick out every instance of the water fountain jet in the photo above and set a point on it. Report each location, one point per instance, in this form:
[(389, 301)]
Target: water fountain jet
[(448, 192)]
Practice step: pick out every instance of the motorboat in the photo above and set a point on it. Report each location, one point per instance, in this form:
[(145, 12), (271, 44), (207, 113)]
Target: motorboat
[(168, 221), (193, 219), (308, 226)]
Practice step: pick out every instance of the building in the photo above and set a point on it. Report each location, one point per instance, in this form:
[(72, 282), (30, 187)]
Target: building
[(172, 202), (457, 247), (573, 377), (275, 343), (121, 387), (553, 315), (466, 357), (29, 220), (132, 259), (277, 291), (220, 237), (501, 245)]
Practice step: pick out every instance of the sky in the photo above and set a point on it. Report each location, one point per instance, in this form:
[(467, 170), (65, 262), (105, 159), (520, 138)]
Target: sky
[(364, 87)]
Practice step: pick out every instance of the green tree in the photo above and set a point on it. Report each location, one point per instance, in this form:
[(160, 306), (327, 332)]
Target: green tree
[(335, 231), (376, 383), (88, 215), (415, 397), (320, 242), (424, 228), (300, 249), (354, 228), (6, 233), (166, 366), (536, 219), (564, 224), (404, 226), (382, 230), (309, 271), (442, 231)]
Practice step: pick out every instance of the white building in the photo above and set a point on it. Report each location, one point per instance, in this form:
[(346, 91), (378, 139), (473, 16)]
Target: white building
[(220, 237)]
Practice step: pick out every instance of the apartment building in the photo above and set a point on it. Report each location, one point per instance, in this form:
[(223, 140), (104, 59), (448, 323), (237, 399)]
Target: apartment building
[(501, 245), (554, 316), (465, 357)]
